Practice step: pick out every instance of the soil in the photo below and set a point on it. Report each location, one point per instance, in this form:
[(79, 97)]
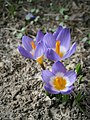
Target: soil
[(22, 96)]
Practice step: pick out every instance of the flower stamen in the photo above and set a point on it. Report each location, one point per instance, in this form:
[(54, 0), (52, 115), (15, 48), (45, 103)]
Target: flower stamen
[(58, 49), (33, 45), (59, 83), (40, 60)]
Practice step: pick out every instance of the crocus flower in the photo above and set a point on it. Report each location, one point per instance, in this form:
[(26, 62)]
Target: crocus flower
[(29, 16), (31, 49), (59, 80), (58, 44)]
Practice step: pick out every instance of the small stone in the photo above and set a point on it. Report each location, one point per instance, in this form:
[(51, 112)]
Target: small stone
[(48, 101), (1, 64)]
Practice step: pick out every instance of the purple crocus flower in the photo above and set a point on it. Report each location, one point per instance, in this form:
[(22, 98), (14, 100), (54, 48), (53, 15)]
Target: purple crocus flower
[(59, 80), (58, 44), (31, 49), (29, 16)]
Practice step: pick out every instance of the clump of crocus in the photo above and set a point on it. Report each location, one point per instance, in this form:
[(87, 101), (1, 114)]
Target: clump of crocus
[(58, 44), (33, 50), (55, 47), (59, 80)]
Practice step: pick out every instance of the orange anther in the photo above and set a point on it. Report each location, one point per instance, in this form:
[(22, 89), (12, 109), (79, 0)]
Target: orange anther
[(40, 60), (58, 47), (59, 83), (33, 45)]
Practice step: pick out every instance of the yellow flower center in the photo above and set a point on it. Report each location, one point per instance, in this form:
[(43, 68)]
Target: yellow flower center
[(59, 83), (40, 60), (33, 45), (58, 49)]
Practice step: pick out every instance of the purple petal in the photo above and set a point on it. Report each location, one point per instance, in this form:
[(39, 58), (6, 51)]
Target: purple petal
[(46, 75), (58, 67), (49, 40), (26, 43), (39, 36), (39, 51), (69, 90), (71, 76), (64, 37), (50, 90), (24, 53), (59, 29), (70, 52), (52, 55)]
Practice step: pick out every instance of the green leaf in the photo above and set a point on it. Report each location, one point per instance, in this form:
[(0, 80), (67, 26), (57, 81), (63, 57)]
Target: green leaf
[(62, 24), (78, 100), (88, 41), (82, 110), (62, 11), (65, 98), (78, 69), (59, 96), (19, 35), (37, 11), (47, 93), (66, 17), (79, 96), (80, 79), (33, 10)]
